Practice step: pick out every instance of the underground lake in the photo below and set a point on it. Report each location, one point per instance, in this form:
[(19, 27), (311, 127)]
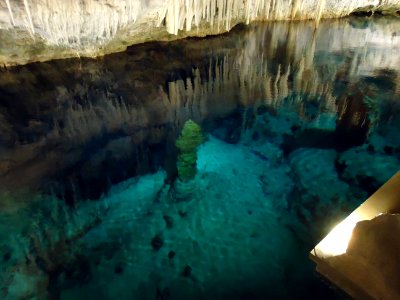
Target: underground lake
[(201, 168)]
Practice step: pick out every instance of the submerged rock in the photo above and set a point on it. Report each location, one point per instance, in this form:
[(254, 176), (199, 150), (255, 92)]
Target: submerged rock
[(316, 173), (377, 171), (171, 254), (28, 284), (168, 221), (187, 271), (189, 140), (157, 242), (319, 191), (182, 214)]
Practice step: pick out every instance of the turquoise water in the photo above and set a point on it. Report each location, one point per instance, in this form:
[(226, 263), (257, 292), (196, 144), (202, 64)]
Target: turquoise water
[(300, 125)]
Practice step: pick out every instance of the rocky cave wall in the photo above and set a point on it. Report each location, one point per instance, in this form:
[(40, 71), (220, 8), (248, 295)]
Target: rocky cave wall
[(40, 30), (138, 98)]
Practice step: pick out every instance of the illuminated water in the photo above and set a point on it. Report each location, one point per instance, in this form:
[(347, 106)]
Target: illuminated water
[(300, 126)]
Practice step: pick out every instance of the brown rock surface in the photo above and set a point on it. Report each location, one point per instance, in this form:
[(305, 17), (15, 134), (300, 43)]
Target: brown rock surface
[(372, 259)]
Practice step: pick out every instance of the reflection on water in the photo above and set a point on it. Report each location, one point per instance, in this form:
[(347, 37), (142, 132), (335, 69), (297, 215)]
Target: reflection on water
[(302, 125)]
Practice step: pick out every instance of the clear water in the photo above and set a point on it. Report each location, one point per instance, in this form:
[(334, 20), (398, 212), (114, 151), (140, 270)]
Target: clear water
[(300, 125)]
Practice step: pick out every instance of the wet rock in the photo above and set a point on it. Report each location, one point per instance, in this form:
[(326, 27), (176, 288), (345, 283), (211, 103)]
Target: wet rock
[(157, 242)]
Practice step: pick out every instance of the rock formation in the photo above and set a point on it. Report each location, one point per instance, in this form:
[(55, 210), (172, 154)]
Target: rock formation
[(372, 259), (110, 103), (39, 30)]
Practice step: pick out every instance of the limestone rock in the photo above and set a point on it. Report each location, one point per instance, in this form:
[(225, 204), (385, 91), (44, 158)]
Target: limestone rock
[(316, 173), (320, 191), (38, 30), (372, 259), (27, 285), (379, 169)]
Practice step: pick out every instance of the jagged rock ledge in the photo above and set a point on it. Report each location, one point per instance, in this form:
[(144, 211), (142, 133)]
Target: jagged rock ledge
[(37, 30)]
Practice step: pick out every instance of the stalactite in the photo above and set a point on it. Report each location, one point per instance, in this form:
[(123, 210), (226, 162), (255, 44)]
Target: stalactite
[(77, 24), (249, 84), (320, 8), (284, 84), (295, 8), (278, 76), (223, 12), (10, 12), (28, 13), (86, 24)]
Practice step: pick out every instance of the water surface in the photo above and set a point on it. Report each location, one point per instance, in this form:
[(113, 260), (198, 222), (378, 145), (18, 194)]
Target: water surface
[(300, 125)]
